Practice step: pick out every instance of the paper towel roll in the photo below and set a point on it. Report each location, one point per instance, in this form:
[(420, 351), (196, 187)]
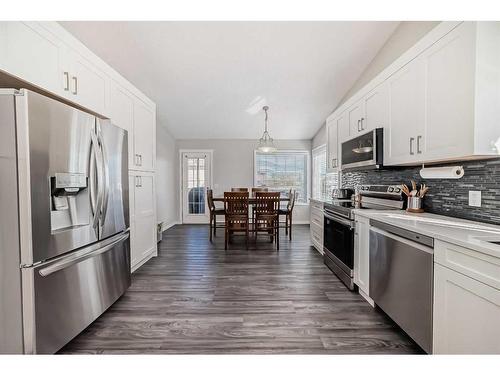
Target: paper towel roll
[(442, 172)]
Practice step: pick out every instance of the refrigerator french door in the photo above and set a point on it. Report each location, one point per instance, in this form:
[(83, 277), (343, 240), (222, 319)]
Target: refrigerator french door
[(72, 217)]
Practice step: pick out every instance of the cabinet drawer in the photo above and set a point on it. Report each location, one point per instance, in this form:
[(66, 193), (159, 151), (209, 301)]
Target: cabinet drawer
[(317, 218), (317, 237), (469, 262), (316, 205)]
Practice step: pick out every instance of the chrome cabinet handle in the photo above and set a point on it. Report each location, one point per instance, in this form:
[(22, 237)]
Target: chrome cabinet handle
[(411, 145), (138, 181), (138, 160), (75, 81), (359, 122), (418, 144), (362, 119), (66, 81)]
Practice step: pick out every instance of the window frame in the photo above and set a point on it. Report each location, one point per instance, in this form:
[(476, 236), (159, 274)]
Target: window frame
[(307, 153), (315, 151)]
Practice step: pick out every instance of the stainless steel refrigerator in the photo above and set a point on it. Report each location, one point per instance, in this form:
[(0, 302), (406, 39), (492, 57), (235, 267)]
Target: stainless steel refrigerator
[(64, 221)]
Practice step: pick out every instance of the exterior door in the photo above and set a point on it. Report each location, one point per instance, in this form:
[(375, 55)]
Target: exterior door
[(196, 177)]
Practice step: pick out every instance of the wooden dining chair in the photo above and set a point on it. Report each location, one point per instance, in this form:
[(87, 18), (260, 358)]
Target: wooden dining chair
[(236, 213), (288, 211), (267, 205), (239, 189), (259, 190), (214, 211)]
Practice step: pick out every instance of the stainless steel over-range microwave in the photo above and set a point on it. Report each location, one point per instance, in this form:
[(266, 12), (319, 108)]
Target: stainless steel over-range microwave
[(363, 152)]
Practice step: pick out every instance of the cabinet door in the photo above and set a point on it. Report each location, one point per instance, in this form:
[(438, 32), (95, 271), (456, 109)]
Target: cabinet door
[(361, 256), (144, 217), (466, 314), (355, 114), (144, 137), (342, 134), (32, 54), (376, 105), (449, 78), (88, 84), (122, 114), (406, 115), (332, 145)]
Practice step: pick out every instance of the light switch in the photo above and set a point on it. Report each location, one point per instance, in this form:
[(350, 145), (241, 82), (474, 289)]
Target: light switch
[(475, 198)]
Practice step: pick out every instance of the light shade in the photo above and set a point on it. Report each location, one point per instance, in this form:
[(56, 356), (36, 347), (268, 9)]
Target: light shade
[(266, 143)]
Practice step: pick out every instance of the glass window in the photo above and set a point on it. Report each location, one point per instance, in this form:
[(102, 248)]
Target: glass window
[(322, 182), (282, 171)]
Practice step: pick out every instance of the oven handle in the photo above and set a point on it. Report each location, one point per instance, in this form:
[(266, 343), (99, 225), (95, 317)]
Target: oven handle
[(339, 219)]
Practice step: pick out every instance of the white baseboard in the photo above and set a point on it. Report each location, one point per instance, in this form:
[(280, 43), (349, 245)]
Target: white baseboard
[(166, 226), (150, 254), (368, 299)]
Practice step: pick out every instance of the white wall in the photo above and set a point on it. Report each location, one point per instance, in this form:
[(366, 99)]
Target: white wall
[(404, 37), (233, 163), (167, 192)]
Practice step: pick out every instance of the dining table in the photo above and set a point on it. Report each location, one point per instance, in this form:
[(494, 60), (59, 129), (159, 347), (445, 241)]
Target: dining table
[(251, 200)]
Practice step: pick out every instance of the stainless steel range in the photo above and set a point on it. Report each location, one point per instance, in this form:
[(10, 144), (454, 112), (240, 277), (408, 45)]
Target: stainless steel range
[(338, 239)]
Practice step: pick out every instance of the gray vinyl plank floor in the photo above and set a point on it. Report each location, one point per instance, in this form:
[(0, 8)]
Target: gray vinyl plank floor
[(196, 298)]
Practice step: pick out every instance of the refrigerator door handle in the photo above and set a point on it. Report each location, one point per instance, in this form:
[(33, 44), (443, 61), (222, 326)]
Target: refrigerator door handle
[(105, 172), (80, 256), (100, 178), (92, 185)]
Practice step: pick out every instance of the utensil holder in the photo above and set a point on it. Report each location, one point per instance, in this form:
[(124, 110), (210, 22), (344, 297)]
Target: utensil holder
[(415, 204)]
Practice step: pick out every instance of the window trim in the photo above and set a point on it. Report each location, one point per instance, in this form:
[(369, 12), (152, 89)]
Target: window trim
[(308, 171)]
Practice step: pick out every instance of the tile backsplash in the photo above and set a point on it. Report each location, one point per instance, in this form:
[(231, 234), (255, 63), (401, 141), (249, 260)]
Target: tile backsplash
[(446, 196)]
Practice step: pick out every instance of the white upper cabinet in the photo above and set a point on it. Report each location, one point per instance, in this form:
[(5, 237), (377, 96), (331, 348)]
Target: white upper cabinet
[(332, 144), (406, 114), (355, 115), (83, 83), (449, 96), (121, 110), (376, 108), (30, 53), (144, 137)]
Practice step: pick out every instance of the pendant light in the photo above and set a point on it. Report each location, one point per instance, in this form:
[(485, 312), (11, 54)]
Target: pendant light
[(266, 143)]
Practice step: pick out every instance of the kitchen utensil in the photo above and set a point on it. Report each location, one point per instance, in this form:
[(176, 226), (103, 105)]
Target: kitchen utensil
[(415, 205)]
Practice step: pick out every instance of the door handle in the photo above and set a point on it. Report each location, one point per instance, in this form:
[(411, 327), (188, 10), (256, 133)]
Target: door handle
[(82, 255), (418, 144), (66, 81), (105, 174), (75, 88), (411, 145)]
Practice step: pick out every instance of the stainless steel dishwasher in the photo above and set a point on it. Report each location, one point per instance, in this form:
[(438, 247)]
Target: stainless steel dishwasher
[(401, 278)]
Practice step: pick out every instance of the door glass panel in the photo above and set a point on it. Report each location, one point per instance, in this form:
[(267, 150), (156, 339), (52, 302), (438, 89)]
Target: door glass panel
[(196, 171)]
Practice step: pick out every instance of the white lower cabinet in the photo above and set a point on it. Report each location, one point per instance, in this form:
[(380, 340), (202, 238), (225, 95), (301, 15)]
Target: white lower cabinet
[(362, 257), (466, 301), (142, 217), (316, 226)]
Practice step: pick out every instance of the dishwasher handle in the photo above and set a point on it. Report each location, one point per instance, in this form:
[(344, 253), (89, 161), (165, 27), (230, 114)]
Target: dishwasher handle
[(405, 241), (404, 233)]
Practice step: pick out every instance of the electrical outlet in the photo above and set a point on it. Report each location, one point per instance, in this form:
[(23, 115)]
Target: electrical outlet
[(475, 198)]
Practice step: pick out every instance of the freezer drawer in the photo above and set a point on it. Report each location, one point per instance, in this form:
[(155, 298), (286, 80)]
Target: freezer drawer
[(70, 293)]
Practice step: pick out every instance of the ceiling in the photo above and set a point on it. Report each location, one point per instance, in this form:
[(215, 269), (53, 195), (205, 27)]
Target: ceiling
[(211, 79)]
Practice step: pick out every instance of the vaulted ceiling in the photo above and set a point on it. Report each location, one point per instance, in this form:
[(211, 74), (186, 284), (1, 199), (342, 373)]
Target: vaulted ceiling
[(211, 79)]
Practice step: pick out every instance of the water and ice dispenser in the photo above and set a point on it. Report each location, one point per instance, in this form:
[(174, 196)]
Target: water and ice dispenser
[(70, 200)]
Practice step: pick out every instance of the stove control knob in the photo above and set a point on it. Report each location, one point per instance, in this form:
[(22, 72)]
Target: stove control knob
[(390, 189), (397, 190)]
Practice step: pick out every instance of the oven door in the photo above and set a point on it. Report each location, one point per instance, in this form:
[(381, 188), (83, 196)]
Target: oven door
[(338, 246), (363, 152)]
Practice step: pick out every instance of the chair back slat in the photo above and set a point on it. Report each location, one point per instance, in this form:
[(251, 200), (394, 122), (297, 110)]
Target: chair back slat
[(258, 190), (236, 203), (238, 189), (267, 203)]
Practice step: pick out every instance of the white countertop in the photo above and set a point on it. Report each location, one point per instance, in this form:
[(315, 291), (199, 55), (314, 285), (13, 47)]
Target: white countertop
[(466, 233)]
